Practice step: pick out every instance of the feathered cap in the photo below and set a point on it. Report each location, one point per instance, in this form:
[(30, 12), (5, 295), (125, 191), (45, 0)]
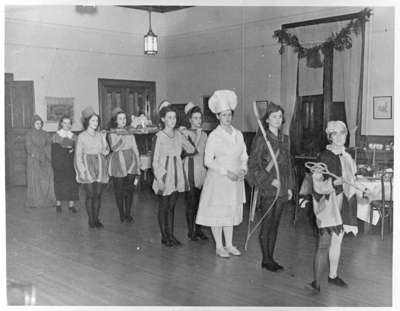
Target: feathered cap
[(163, 104), (87, 112), (222, 100), (189, 106)]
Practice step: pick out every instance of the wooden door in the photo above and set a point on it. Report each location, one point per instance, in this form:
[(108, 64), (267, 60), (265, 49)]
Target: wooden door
[(19, 107), (134, 97)]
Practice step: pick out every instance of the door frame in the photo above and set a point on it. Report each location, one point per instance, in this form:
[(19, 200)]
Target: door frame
[(104, 83)]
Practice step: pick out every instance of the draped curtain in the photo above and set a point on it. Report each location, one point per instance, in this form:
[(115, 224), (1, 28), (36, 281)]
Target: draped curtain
[(345, 76)]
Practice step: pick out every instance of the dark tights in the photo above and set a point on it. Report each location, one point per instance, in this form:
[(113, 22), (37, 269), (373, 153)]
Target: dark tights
[(269, 228), (166, 211), (192, 199), (93, 202), (123, 191)]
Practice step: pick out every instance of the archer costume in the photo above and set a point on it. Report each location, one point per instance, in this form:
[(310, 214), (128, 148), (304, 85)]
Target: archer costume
[(221, 201), (261, 174), (195, 172), (169, 179), (124, 164)]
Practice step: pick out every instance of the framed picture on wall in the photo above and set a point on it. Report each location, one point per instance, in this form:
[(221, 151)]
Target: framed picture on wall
[(58, 107), (382, 107)]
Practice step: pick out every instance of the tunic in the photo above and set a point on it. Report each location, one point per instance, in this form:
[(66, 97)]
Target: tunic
[(39, 173), (125, 158), (62, 156), (335, 207), (90, 158), (261, 168), (221, 201), (194, 164), (167, 163)]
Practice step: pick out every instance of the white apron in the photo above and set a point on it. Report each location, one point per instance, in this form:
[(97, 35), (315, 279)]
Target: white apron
[(221, 201)]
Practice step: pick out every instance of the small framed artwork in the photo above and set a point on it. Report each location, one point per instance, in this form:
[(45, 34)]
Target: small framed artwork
[(58, 107), (382, 107)]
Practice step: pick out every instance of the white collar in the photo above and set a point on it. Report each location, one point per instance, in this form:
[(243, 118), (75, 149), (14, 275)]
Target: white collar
[(65, 134)]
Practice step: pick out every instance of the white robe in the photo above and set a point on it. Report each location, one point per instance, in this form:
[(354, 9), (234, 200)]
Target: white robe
[(221, 201)]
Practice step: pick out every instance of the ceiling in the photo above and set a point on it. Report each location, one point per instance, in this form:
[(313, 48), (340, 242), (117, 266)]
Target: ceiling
[(159, 9)]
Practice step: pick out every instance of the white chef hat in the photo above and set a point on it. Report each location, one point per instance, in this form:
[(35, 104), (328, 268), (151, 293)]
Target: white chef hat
[(335, 126), (164, 104), (222, 100)]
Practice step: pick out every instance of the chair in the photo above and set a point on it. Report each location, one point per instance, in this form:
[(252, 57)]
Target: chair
[(385, 205)]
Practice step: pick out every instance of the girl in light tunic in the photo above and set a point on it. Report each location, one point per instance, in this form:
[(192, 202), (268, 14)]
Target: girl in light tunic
[(223, 195), (169, 178), (124, 163), (91, 164), (195, 170)]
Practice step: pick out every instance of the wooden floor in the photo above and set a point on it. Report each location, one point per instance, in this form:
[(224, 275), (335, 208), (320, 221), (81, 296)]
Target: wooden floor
[(126, 265)]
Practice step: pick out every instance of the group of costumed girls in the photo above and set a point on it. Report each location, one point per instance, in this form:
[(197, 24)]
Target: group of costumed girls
[(209, 170)]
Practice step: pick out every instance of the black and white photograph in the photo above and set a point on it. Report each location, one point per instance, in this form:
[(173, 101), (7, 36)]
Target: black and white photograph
[(208, 155)]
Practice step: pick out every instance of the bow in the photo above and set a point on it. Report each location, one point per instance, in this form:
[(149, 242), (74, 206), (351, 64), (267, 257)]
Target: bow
[(255, 192)]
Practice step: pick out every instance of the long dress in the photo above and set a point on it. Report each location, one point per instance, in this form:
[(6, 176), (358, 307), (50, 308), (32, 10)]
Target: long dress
[(39, 173), (221, 201), (62, 155)]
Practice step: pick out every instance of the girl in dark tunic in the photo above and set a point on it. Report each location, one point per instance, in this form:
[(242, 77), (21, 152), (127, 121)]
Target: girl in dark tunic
[(262, 174), (62, 155), (39, 173), (334, 204)]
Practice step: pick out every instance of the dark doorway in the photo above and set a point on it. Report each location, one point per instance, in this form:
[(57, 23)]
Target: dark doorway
[(134, 97), (19, 107)]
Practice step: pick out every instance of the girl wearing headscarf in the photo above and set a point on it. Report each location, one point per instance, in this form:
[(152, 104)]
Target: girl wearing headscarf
[(39, 173), (62, 156), (169, 178), (334, 204), (262, 174), (195, 170), (91, 164), (223, 194), (124, 163)]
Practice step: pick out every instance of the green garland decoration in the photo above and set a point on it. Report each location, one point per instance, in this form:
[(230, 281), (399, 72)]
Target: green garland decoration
[(338, 40)]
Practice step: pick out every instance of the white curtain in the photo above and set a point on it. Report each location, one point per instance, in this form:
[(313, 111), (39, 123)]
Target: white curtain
[(349, 63), (289, 62)]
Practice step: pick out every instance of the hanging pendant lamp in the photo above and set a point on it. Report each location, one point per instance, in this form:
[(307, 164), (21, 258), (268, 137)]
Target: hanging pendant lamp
[(150, 40)]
